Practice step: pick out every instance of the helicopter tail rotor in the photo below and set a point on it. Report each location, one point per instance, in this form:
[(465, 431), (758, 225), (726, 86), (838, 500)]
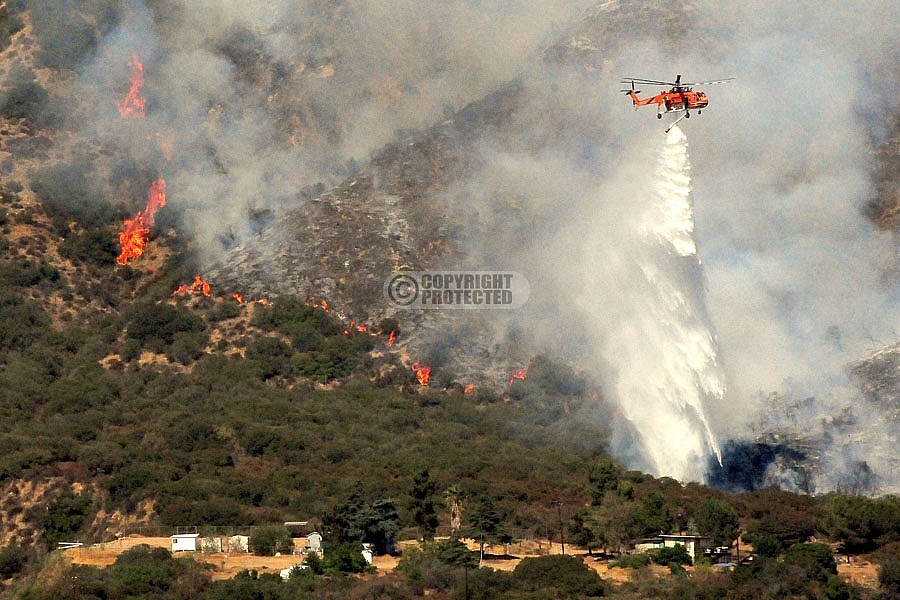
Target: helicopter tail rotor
[(629, 92)]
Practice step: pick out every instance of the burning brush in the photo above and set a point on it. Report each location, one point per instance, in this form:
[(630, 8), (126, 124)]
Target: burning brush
[(135, 232), (199, 286), (134, 104), (423, 372)]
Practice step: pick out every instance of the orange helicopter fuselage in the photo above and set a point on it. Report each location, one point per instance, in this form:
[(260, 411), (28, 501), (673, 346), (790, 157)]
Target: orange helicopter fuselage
[(674, 100)]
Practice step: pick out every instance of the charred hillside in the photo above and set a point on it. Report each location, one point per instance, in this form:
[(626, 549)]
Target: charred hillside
[(389, 215)]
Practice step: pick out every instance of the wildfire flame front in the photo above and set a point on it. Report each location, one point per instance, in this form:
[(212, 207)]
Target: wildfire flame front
[(199, 286), (134, 104), (423, 373), (519, 374), (135, 232)]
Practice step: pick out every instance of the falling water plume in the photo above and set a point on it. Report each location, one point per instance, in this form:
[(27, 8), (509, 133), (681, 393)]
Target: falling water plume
[(665, 350)]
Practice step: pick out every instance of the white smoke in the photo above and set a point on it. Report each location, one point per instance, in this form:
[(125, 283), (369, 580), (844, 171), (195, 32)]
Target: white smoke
[(796, 277), (659, 341)]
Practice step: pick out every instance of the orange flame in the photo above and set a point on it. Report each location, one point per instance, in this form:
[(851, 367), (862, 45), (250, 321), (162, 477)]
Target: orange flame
[(469, 389), (392, 338), (423, 373), (133, 236), (264, 301), (156, 199), (353, 327), (200, 286), (134, 103), (519, 374), (238, 297), (323, 305), (197, 287)]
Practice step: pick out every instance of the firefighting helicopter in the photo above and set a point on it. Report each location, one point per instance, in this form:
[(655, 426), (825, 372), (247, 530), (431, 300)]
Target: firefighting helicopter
[(680, 98)]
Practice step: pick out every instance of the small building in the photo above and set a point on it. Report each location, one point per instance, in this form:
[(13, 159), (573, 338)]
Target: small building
[(286, 573), (648, 544), (239, 543), (185, 542), (211, 544), (695, 545), (314, 543)]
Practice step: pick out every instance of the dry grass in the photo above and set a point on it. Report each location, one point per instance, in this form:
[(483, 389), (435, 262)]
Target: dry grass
[(225, 564), (504, 558)]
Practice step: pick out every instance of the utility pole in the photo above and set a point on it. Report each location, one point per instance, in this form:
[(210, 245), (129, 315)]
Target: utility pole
[(562, 539)]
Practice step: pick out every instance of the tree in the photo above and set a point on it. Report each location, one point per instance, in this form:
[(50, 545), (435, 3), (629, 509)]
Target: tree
[(818, 553), (787, 524), (581, 529), (358, 521), (484, 522), (269, 539), (603, 478), (611, 525), (453, 498), (421, 504), (768, 546), (717, 519), (453, 552), (677, 554), (650, 516), (140, 571), (65, 517), (861, 523), (345, 558), (889, 575), (12, 560), (567, 577)]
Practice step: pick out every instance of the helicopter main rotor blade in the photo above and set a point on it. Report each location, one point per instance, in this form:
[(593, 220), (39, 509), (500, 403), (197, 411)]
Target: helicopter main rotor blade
[(647, 81), (710, 82)]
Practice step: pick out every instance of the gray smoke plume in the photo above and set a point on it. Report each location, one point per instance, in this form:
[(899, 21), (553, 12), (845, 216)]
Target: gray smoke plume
[(265, 103)]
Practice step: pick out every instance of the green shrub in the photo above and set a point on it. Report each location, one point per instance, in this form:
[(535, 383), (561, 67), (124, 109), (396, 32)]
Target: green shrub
[(12, 561), (820, 554), (223, 310), (435, 566), (677, 554), (187, 346), (156, 325), (271, 356), (64, 518), (64, 33), (10, 24), (345, 558), (22, 323), (24, 98), (889, 574), (268, 540), (141, 571), (67, 194), (96, 245), (566, 574)]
